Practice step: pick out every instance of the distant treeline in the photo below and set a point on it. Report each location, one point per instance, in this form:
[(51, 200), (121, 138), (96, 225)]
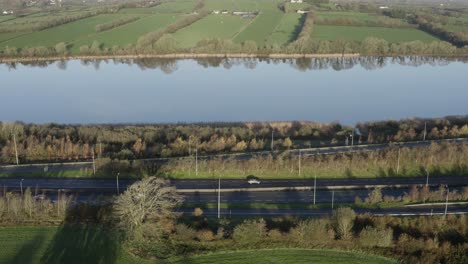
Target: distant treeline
[(55, 142), (115, 23)]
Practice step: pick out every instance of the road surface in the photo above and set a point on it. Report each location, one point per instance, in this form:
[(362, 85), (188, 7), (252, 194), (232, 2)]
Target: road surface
[(110, 185)]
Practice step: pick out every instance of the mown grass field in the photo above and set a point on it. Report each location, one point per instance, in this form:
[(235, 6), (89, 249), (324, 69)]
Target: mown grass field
[(261, 28), (285, 256), (242, 5), (212, 26), (393, 35), (287, 29), (88, 244), (28, 245), (69, 33), (128, 33), (5, 18)]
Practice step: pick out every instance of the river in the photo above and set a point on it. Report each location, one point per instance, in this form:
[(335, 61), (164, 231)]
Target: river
[(206, 90)]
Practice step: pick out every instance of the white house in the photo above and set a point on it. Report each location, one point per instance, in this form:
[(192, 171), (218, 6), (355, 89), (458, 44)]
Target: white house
[(224, 12), (216, 12), (383, 7), (302, 11), (296, 1)]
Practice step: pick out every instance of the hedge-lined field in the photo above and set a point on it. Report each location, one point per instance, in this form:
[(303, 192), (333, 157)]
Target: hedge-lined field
[(69, 33), (129, 33), (261, 28), (287, 29), (212, 26), (393, 35)]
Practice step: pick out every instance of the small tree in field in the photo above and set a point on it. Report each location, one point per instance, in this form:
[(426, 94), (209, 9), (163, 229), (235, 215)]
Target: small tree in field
[(344, 221), (145, 199)]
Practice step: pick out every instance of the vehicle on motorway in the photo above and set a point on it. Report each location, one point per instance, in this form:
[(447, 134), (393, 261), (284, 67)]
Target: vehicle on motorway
[(253, 181)]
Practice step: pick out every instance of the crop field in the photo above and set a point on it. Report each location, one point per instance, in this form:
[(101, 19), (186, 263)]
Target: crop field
[(129, 33), (287, 30), (393, 35), (296, 256), (27, 245), (64, 33), (212, 26), (261, 28)]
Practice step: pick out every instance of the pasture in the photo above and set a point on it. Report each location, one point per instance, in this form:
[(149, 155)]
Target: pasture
[(286, 256), (212, 26), (44, 244), (129, 33), (69, 33), (393, 35), (261, 27), (287, 30)]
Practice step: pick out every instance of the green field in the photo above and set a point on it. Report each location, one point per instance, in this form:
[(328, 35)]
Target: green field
[(129, 33), (286, 256), (212, 26), (88, 244), (261, 28), (69, 32), (393, 35), (287, 29), (242, 5), (5, 18), (27, 245)]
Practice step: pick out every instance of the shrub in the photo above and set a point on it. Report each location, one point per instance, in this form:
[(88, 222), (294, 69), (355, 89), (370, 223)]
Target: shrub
[(374, 237), (250, 232)]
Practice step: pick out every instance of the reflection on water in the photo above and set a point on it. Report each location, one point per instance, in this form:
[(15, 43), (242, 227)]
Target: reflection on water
[(204, 90), (170, 65)]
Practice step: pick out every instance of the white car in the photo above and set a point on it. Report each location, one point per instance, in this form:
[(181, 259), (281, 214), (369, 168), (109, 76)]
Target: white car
[(253, 181)]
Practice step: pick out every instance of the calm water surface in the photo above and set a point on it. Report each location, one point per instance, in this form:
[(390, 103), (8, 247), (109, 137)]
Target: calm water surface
[(150, 91)]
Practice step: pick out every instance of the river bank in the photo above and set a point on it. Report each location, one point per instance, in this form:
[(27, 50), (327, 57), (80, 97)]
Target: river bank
[(179, 56)]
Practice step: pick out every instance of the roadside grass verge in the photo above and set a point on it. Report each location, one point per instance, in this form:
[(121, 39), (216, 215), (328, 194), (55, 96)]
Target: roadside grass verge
[(273, 206), (286, 256), (358, 33)]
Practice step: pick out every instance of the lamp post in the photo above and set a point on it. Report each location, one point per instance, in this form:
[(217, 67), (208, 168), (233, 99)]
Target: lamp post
[(21, 186), (117, 183)]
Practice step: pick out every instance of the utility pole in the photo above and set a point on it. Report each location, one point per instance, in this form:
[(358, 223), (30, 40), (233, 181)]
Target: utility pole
[(333, 198), (117, 182), (21, 186), (300, 157), (16, 149), (196, 161), (94, 165), (190, 154), (219, 197), (352, 137), (446, 202), (315, 185), (427, 177), (425, 131), (272, 140), (398, 162)]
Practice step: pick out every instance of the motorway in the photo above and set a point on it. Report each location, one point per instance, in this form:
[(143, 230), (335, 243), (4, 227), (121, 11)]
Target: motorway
[(76, 166), (104, 185)]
